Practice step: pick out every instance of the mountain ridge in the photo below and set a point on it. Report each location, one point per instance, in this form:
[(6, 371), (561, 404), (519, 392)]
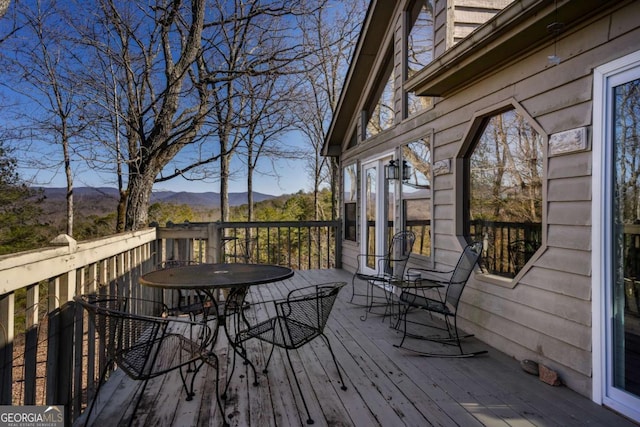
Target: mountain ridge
[(209, 199)]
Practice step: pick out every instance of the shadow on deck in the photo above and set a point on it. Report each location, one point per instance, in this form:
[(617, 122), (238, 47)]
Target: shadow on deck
[(387, 386)]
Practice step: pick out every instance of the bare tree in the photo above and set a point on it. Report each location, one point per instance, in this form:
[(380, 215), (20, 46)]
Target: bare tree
[(177, 69), (43, 59), (333, 33), (268, 116), (253, 39), (7, 31)]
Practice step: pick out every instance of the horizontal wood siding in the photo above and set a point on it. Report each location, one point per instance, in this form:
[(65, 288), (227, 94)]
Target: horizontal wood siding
[(546, 314), (440, 28), (469, 15)]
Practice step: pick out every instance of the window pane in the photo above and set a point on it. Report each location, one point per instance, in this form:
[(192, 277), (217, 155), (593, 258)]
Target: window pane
[(419, 49), (505, 192), (420, 37), (371, 179), (349, 199), (417, 215), (350, 182), (418, 157), (626, 238), (416, 193), (350, 221), (381, 113)]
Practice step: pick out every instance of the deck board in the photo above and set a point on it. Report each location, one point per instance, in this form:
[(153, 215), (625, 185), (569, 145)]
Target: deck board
[(386, 386)]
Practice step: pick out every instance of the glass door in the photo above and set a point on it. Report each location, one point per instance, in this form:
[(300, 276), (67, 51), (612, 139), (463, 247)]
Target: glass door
[(625, 327), (622, 290), (377, 215)]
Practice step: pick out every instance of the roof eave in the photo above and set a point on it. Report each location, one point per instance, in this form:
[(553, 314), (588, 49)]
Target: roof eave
[(520, 27)]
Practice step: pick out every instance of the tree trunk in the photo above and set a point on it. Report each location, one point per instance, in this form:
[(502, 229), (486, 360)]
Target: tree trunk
[(334, 164), (121, 211), (250, 194), (224, 187), (138, 196), (68, 174)]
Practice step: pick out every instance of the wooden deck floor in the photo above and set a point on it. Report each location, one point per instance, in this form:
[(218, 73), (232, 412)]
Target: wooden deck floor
[(387, 386)]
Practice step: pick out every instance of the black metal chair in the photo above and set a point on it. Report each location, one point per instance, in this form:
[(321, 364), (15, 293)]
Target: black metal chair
[(142, 340), (299, 319), (453, 283), (391, 268), (189, 302)]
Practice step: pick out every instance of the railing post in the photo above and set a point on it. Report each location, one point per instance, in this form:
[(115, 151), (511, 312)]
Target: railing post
[(7, 308), (214, 249), (338, 239), (60, 357)]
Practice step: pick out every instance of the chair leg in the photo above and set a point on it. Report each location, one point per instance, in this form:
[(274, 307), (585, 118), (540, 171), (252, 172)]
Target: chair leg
[(326, 340), (216, 365), (103, 374), (453, 339), (229, 374), (184, 376), (295, 377), (138, 400), (404, 321), (353, 289), (266, 365), (356, 294)]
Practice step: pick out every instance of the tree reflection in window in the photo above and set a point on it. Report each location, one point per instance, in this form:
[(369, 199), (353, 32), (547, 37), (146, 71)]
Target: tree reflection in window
[(505, 192), (419, 48), (416, 194), (380, 113)]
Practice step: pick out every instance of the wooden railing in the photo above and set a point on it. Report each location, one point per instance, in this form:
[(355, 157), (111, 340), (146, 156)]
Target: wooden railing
[(296, 244), (44, 357), (41, 359), (507, 246)]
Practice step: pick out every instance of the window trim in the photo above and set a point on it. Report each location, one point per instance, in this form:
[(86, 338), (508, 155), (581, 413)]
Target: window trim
[(429, 135), (599, 212), (462, 161), (354, 202), (384, 74)]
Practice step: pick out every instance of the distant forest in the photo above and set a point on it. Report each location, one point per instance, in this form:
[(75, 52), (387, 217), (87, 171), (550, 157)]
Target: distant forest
[(95, 216)]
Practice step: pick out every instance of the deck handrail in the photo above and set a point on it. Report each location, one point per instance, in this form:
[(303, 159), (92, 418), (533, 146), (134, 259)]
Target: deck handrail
[(38, 320)]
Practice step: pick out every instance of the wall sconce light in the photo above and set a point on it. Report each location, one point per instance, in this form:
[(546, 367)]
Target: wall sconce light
[(406, 171), (392, 171)]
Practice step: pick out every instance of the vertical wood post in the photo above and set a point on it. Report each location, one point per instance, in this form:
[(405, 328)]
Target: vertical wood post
[(7, 307), (214, 246), (60, 358), (338, 241)]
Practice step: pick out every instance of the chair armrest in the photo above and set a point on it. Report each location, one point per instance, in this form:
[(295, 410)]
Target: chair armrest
[(437, 276), (428, 270), (301, 292)]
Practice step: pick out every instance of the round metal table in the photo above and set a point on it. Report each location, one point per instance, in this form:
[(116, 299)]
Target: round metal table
[(208, 278)]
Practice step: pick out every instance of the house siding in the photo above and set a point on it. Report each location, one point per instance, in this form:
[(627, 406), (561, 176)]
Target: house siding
[(545, 313)]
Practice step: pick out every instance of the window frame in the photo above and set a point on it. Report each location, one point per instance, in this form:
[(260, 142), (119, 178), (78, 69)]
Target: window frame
[(463, 159), (427, 140), (385, 75), (353, 203), (409, 24)]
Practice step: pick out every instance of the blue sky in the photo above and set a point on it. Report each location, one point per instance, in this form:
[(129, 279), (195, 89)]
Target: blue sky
[(26, 124), (39, 161), (291, 178)]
